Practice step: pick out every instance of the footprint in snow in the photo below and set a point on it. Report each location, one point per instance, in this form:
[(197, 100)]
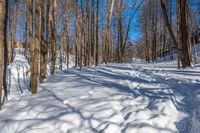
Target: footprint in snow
[(179, 82), (84, 97), (91, 92), (66, 101)]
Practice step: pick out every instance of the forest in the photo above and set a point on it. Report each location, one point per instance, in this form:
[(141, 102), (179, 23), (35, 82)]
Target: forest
[(99, 66)]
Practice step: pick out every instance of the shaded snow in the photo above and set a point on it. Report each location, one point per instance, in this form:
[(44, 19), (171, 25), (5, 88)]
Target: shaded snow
[(115, 98)]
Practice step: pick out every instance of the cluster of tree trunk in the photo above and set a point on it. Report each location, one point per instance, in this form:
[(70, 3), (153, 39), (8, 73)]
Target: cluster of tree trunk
[(156, 40), (3, 49), (182, 44), (93, 31), (165, 35), (55, 29)]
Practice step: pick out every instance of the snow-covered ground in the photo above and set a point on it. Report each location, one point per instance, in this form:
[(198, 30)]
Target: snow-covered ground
[(195, 54), (115, 98), (18, 76), (136, 97), (185, 86)]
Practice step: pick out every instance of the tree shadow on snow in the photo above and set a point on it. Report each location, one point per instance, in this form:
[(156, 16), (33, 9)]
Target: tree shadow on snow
[(103, 78)]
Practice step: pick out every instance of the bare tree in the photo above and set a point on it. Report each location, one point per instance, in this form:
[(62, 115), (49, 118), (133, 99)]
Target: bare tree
[(183, 33), (43, 48), (35, 58), (67, 31), (53, 37), (97, 34), (2, 10), (3, 47), (76, 32), (183, 51), (107, 32)]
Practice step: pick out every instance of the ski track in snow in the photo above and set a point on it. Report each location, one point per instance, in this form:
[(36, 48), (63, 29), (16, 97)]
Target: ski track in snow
[(116, 98)]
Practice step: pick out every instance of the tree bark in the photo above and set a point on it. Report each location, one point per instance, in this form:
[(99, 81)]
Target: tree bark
[(35, 58), (53, 43), (107, 32), (97, 34), (43, 48), (2, 11), (67, 32), (5, 49), (47, 42), (183, 34), (76, 33)]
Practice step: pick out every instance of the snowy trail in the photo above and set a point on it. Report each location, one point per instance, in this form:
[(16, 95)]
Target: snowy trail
[(117, 98)]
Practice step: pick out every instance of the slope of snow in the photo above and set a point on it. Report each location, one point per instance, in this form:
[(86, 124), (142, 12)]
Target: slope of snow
[(195, 53), (198, 52), (115, 98), (17, 76), (59, 63)]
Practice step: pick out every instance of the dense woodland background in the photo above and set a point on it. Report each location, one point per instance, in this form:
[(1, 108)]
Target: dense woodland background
[(96, 32)]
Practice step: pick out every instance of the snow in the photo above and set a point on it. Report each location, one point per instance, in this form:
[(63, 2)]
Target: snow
[(17, 76), (135, 97)]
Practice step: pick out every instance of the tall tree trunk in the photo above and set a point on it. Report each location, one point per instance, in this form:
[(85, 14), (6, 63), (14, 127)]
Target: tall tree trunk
[(53, 43), (184, 34), (120, 38), (82, 52), (30, 30), (154, 29), (164, 42), (76, 33), (178, 34), (31, 45), (88, 44), (170, 19), (67, 31), (35, 58), (107, 32), (92, 33), (26, 28), (146, 39), (47, 42), (97, 34), (43, 48), (5, 49), (2, 37)]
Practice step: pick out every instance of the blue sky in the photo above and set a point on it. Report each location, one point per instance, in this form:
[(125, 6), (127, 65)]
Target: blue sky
[(133, 34)]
